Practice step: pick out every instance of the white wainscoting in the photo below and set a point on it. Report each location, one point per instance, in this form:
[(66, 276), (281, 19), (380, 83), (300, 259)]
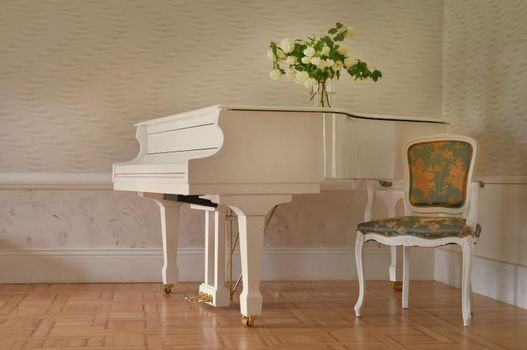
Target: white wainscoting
[(144, 265), (495, 279), (499, 269)]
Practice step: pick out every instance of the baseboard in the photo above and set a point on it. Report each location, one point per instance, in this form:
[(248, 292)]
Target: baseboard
[(144, 265), (495, 279)]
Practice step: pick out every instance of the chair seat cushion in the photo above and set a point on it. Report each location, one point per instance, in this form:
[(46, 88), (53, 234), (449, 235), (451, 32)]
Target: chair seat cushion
[(420, 226)]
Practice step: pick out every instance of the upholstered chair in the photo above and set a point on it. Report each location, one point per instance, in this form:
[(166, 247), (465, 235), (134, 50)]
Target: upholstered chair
[(440, 202)]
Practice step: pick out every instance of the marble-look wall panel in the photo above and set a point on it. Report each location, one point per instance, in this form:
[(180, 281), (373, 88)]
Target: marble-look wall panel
[(79, 219), (82, 219), (485, 80)]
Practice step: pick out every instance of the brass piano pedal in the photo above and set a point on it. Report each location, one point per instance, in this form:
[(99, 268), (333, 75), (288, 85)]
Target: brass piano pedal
[(248, 321), (168, 288), (397, 286), (201, 298)]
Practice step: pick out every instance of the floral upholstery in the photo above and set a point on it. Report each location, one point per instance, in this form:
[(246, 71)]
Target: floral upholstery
[(439, 173), (420, 226)]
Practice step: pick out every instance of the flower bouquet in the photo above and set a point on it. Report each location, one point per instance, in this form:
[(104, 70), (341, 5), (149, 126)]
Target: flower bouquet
[(314, 62)]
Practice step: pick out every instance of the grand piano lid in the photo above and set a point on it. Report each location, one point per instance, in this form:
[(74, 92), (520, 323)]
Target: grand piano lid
[(219, 107), (357, 115)]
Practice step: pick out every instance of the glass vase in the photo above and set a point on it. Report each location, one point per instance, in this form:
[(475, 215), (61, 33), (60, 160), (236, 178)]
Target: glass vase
[(323, 94)]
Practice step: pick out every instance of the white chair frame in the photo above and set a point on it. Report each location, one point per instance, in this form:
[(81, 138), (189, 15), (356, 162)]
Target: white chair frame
[(467, 211)]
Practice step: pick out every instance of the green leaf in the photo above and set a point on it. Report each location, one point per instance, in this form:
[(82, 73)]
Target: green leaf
[(328, 41), (340, 36), (332, 31), (274, 48), (339, 25)]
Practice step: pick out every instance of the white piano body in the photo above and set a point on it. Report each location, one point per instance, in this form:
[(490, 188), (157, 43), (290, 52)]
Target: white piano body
[(250, 159)]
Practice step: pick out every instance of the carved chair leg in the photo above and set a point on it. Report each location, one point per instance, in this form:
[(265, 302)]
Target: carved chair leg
[(406, 276), (359, 243), (466, 247)]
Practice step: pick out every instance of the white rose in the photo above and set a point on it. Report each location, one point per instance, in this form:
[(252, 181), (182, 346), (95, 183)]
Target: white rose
[(349, 32), (305, 59), (338, 65), (287, 46), (280, 54), (290, 73), (343, 50), (309, 51), (325, 50), (292, 59), (309, 83), (350, 62), (301, 77), (275, 74), (322, 64), (329, 62), (270, 54), (315, 61)]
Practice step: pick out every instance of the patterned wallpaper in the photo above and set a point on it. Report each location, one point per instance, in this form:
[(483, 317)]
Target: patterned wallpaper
[(76, 75), (485, 80)]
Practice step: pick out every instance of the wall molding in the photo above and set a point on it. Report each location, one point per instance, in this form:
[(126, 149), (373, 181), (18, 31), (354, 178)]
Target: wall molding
[(495, 279), (57, 181), (103, 181), (144, 265)]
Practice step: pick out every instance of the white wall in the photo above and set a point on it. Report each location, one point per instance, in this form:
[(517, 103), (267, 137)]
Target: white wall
[(485, 84), (76, 75)]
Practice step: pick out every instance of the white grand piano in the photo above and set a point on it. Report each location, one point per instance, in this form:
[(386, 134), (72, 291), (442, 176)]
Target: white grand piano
[(250, 159)]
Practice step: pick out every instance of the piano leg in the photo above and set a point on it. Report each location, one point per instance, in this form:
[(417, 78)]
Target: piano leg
[(251, 211), (170, 211), (251, 246)]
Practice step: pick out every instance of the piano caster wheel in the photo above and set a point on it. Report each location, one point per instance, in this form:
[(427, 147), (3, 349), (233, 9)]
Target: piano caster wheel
[(397, 286), (248, 321), (168, 288)]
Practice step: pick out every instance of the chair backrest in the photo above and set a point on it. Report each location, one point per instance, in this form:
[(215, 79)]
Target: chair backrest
[(438, 174)]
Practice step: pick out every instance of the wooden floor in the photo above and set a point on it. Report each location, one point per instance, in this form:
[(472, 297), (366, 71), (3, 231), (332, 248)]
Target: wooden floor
[(300, 315)]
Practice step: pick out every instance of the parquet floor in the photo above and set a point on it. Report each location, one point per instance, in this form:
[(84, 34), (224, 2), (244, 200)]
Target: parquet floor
[(297, 315)]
